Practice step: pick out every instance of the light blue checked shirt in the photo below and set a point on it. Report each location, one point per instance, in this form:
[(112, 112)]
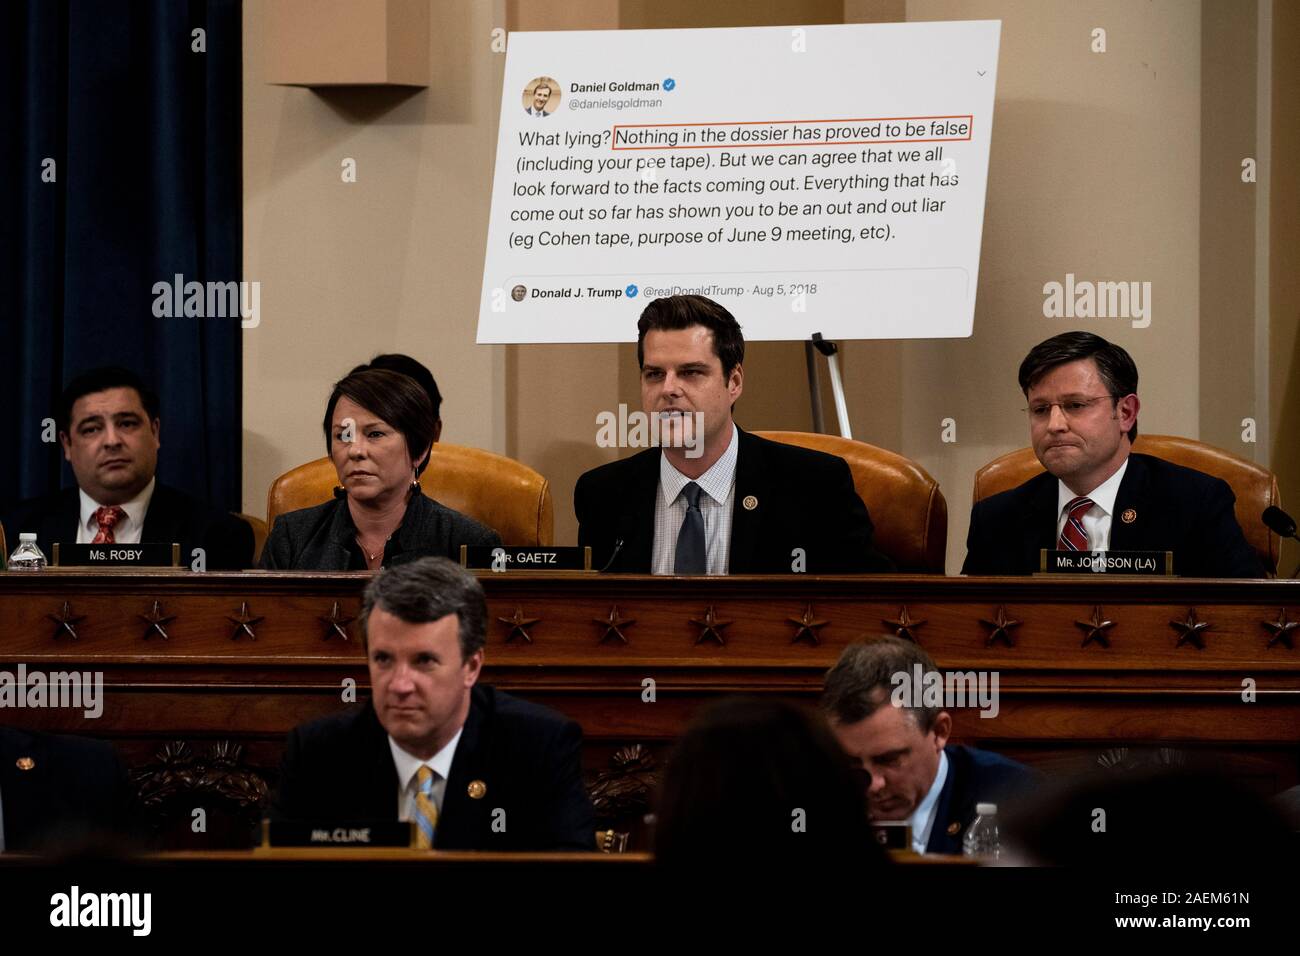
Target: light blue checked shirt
[(719, 487)]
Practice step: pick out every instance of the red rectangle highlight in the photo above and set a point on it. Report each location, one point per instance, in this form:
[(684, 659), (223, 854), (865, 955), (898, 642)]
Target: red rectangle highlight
[(748, 134)]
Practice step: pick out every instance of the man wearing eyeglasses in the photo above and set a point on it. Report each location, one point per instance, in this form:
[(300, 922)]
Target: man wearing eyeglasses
[(1097, 494)]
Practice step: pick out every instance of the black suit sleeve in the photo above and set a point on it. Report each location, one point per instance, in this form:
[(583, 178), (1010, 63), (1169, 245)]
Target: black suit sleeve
[(229, 544), (564, 810), (1223, 550), (976, 557), (849, 529), (590, 532), (289, 801), (277, 552)]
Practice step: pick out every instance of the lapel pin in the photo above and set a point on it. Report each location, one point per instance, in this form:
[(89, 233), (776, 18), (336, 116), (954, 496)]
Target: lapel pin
[(476, 789), (1129, 516), (954, 828), (25, 763), (750, 502)]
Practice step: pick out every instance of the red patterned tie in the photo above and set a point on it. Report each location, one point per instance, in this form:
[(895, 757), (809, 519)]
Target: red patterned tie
[(107, 519), (1073, 537)]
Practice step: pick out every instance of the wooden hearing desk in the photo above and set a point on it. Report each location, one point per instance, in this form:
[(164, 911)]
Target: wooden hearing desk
[(205, 673)]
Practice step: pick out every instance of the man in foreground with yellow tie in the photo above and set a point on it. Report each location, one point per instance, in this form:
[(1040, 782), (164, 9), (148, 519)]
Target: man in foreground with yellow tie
[(473, 768)]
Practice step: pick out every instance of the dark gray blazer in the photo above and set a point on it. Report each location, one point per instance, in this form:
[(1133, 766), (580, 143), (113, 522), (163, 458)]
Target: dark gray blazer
[(323, 538)]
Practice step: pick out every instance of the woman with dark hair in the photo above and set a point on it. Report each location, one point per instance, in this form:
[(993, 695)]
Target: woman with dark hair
[(756, 782), (379, 432), (411, 368)]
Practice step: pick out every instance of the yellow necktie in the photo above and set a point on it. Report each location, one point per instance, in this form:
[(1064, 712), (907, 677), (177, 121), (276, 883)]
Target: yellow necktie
[(426, 811)]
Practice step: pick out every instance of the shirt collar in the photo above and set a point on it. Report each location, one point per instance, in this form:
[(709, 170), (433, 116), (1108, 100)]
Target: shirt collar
[(135, 508), (1103, 496), (716, 482), (408, 765), (922, 819)]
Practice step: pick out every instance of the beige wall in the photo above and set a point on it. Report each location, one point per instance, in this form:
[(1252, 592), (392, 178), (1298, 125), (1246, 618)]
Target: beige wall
[(1094, 170), (1098, 167), (1284, 264), (1229, 41), (392, 262)]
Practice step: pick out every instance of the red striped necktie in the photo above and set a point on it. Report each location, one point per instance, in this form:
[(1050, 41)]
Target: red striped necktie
[(1073, 537), (107, 518)]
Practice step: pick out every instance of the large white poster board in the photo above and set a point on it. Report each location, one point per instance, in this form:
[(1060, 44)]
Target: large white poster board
[(811, 179)]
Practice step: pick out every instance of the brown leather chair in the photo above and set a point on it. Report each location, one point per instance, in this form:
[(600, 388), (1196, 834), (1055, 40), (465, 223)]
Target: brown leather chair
[(907, 508), (1254, 486), (499, 492)]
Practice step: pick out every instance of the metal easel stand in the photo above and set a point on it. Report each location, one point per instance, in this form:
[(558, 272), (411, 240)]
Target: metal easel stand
[(830, 350)]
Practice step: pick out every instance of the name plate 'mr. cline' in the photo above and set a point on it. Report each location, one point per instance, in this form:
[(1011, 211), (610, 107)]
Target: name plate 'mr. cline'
[(363, 833)]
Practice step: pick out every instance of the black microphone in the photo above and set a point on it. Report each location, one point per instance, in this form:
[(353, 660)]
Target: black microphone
[(618, 546), (625, 525), (1281, 523)]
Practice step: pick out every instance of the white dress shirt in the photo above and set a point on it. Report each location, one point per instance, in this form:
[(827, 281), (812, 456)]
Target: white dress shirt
[(719, 487), (922, 819), (128, 530), (408, 765), (1097, 519)]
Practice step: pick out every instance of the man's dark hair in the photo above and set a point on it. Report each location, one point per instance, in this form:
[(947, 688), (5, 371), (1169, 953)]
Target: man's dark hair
[(862, 680), (683, 311), (736, 778), (1115, 366), (396, 398), (412, 368), (429, 589), (100, 380)]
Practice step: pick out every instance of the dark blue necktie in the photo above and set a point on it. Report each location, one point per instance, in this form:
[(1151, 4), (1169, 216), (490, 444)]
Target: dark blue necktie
[(690, 558)]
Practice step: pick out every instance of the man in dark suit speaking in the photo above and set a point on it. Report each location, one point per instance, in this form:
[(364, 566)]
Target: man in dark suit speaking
[(1097, 494), (714, 499), (473, 768), (909, 769), (109, 427)]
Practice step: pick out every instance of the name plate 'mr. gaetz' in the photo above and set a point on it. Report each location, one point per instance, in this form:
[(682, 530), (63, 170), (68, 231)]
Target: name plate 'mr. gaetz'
[(1107, 562), (525, 558)]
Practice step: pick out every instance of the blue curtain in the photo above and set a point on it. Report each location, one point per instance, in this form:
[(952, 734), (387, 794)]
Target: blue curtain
[(143, 132)]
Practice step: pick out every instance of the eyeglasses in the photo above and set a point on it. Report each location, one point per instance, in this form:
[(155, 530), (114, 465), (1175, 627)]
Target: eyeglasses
[(1071, 408)]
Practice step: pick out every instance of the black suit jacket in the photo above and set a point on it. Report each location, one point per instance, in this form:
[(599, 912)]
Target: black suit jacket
[(173, 516), (1176, 509), (323, 537), (528, 756), (974, 776), (75, 788), (806, 499)]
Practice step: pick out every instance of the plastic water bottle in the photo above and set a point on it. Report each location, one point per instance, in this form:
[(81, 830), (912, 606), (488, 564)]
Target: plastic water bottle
[(982, 838), (27, 556)]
